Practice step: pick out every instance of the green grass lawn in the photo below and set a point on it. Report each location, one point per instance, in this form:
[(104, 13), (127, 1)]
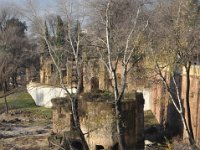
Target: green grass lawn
[(23, 101)]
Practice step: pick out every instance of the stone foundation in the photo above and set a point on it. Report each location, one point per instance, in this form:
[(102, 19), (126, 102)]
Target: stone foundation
[(62, 118), (98, 122)]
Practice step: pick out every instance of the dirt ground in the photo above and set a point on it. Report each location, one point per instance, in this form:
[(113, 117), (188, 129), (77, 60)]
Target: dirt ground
[(21, 131)]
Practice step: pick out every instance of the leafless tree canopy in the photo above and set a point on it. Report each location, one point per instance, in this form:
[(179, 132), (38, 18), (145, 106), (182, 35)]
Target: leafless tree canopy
[(174, 41)]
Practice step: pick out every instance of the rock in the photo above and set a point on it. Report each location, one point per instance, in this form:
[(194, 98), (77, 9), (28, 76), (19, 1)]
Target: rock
[(148, 143), (8, 129), (17, 120), (41, 131)]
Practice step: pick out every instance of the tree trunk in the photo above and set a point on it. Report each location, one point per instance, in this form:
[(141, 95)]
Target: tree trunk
[(14, 81), (180, 108), (119, 124), (74, 103), (6, 86), (187, 98), (1, 88), (118, 109), (5, 99), (189, 136)]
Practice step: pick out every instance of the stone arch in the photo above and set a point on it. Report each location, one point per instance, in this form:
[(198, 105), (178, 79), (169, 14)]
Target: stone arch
[(94, 84)]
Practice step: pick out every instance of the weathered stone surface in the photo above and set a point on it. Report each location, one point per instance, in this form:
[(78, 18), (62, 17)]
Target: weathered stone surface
[(95, 69), (164, 110), (194, 102), (98, 121), (61, 115)]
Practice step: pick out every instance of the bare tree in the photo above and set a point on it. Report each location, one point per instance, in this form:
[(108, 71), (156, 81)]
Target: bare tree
[(6, 70), (63, 43), (174, 43), (12, 43), (119, 28)]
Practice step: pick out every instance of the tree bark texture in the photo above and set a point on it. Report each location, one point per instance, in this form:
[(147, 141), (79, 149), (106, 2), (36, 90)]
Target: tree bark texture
[(187, 98), (119, 124), (74, 104)]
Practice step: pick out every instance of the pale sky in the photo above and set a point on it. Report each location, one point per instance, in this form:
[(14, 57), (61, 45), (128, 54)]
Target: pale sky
[(42, 3), (43, 7)]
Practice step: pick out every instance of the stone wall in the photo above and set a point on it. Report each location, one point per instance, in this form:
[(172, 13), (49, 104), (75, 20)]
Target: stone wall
[(133, 118), (31, 74), (48, 71), (99, 123), (45, 70), (194, 99), (164, 110), (42, 93), (95, 76), (62, 118), (95, 69)]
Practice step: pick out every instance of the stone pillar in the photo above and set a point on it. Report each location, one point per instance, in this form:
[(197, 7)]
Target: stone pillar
[(140, 117), (62, 118)]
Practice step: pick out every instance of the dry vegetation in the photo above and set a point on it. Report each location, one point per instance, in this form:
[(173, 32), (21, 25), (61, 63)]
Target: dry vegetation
[(26, 126)]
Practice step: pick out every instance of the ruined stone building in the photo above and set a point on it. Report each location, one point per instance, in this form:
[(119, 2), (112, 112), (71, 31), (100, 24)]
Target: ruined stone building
[(97, 119), (94, 75), (98, 114)]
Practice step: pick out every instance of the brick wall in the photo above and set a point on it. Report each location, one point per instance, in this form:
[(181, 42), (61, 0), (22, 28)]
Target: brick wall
[(194, 99), (165, 112), (94, 68)]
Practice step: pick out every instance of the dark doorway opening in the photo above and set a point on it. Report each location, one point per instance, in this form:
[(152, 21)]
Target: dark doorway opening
[(76, 145), (94, 84), (99, 147), (116, 147)]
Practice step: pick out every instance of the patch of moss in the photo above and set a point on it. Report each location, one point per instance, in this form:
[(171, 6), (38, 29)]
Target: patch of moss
[(98, 96), (72, 134), (60, 101), (129, 96)]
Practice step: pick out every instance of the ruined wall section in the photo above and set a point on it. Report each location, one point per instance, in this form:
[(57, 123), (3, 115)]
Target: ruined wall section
[(61, 117), (131, 82), (194, 99), (133, 118), (95, 76), (48, 72), (159, 99), (98, 121), (166, 114), (162, 106), (45, 70)]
